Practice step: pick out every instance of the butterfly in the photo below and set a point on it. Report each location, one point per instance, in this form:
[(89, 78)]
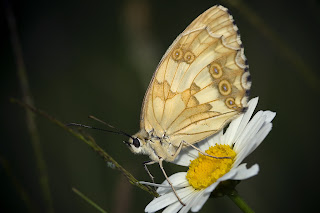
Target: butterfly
[(201, 83)]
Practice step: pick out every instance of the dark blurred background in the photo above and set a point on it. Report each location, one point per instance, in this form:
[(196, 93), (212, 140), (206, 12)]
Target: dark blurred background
[(97, 57)]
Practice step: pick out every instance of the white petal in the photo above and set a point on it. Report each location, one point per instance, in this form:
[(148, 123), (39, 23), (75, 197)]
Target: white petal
[(227, 176), (249, 131), (243, 173), (167, 199), (230, 134), (189, 202), (153, 184), (247, 115), (203, 197), (185, 156), (175, 207), (163, 190), (204, 144), (260, 119), (253, 143), (233, 175), (178, 180), (261, 135), (242, 155), (189, 153), (160, 202), (215, 139), (270, 115)]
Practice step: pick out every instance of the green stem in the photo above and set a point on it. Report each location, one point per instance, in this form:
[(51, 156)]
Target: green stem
[(234, 196), (88, 200), (30, 118), (89, 141)]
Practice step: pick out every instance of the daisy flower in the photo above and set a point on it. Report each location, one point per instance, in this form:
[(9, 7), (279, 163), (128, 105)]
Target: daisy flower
[(205, 173)]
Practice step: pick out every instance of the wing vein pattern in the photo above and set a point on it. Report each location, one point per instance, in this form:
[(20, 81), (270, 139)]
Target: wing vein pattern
[(201, 83)]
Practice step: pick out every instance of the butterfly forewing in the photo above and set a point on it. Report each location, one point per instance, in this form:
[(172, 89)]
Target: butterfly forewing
[(200, 83)]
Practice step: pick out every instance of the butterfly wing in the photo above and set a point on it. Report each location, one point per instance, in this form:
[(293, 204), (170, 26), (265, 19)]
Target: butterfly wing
[(201, 82)]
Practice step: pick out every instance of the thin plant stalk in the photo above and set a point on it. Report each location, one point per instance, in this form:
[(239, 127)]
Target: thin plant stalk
[(30, 118), (88, 200), (89, 141)]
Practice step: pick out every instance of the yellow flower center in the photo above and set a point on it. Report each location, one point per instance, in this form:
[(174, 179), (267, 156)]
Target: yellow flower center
[(204, 170)]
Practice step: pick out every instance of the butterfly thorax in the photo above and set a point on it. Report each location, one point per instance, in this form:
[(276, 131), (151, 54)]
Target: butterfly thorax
[(151, 144)]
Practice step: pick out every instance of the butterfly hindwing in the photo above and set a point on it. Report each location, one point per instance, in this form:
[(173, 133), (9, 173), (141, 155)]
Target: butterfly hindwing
[(201, 82)]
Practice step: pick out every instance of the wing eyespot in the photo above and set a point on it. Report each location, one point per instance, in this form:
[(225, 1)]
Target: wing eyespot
[(224, 87), (188, 57), (230, 102), (215, 70), (177, 54)]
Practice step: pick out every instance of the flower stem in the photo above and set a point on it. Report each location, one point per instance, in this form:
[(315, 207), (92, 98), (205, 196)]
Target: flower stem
[(235, 197)]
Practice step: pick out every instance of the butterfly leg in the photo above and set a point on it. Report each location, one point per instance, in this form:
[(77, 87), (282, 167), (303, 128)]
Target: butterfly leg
[(174, 191), (145, 164), (202, 152), (172, 157)]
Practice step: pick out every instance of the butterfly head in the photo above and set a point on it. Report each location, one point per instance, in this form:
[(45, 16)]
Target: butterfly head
[(135, 144), (140, 144)]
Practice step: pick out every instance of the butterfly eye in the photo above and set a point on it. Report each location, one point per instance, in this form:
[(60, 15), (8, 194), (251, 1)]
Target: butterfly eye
[(136, 142)]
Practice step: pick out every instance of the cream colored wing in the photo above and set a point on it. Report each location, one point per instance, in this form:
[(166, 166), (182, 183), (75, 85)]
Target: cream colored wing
[(201, 82)]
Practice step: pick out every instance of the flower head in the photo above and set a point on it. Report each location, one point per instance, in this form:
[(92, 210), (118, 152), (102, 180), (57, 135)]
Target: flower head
[(205, 173)]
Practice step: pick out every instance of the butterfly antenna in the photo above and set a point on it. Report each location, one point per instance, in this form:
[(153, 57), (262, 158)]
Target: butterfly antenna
[(109, 125), (91, 127)]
